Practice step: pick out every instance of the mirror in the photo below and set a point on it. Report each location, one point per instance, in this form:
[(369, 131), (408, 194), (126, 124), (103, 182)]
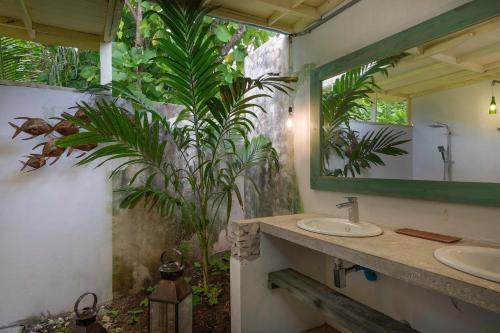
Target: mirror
[(424, 114)]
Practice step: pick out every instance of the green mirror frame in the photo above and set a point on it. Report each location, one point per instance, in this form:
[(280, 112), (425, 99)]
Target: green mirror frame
[(486, 194)]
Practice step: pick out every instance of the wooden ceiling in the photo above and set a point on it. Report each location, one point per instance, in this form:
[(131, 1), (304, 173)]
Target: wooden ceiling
[(78, 23), (460, 59), (290, 16)]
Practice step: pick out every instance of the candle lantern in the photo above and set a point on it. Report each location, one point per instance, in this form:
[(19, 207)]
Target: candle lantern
[(170, 304), (86, 318)]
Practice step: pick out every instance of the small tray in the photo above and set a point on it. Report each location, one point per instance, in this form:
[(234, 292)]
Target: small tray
[(427, 235)]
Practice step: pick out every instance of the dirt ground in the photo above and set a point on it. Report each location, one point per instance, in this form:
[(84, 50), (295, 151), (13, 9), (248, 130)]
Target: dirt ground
[(128, 314)]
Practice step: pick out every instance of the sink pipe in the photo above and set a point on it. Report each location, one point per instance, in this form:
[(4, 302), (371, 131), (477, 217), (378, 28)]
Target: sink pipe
[(340, 273)]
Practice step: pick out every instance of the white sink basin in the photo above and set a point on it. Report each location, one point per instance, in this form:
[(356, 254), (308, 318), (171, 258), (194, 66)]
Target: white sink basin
[(483, 262), (339, 227)]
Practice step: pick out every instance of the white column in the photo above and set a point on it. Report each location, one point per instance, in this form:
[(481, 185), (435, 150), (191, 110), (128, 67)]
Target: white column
[(106, 63)]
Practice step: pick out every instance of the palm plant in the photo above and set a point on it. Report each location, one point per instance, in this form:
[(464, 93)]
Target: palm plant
[(339, 104), (18, 60), (188, 164)]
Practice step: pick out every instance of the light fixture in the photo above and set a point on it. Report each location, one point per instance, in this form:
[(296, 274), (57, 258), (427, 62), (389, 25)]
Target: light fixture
[(493, 104), (289, 122)]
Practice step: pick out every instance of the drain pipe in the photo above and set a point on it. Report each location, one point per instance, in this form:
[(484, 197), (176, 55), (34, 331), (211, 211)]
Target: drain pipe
[(340, 273), (326, 18)]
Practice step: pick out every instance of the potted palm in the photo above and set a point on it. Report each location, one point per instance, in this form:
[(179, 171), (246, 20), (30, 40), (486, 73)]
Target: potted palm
[(188, 165)]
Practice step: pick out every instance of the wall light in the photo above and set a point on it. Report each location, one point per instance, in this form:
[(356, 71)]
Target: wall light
[(493, 103), (289, 122)]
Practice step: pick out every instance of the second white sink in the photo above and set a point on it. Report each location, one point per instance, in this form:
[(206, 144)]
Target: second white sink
[(483, 262), (339, 227)]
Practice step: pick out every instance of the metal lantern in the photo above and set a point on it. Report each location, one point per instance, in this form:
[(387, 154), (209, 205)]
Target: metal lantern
[(170, 304), (86, 318)]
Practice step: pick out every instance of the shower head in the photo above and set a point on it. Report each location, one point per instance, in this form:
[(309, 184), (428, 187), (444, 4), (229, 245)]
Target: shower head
[(438, 125)]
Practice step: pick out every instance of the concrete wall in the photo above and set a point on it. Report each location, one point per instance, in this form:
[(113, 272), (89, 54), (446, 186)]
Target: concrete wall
[(367, 22), (474, 141), (278, 190), (55, 224)]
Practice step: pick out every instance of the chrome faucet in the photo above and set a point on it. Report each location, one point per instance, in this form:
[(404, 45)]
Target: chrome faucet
[(353, 211)]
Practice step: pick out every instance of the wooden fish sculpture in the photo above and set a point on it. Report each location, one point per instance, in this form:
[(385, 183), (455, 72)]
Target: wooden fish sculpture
[(80, 114), (65, 127), (33, 126), (85, 148), (50, 149), (35, 161)]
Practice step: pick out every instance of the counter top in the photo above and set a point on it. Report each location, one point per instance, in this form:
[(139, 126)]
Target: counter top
[(403, 257)]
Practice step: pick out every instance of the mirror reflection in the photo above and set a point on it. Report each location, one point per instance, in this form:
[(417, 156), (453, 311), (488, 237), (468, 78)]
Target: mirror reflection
[(428, 113)]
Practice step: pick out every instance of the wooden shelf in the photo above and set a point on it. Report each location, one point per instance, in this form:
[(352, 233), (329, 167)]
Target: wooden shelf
[(355, 316)]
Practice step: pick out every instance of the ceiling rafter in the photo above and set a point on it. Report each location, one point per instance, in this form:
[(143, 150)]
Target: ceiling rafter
[(286, 6), (28, 23), (328, 6), (12, 27), (238, 16)]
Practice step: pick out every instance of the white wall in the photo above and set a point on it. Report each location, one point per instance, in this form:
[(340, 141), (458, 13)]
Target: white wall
[(363, 24), (396, 167), (475, 140), (55, 223)]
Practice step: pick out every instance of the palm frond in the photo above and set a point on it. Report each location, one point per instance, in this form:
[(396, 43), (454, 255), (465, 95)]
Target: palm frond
[(18, 60)]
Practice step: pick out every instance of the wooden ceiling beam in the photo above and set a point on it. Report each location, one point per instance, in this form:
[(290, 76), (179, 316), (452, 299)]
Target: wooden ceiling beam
[(446, 45), (473, 67), (328, 6), (275, 17), (429, 84), (400, 76), (28, 23), (479, 53), (286, 6), (296, 3), (12, 27), (279, 14), (454, 85), (226, 13), (113, 17)]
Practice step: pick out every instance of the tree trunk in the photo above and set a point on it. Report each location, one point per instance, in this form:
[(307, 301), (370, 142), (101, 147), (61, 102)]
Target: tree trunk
[(204, 260)]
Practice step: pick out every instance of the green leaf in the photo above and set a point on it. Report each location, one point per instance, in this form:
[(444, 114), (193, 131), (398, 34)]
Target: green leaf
[(222, 33)]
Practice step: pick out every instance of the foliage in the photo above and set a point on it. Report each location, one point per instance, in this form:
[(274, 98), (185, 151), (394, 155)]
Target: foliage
[(135, 315), (347, 96), (392, 112), (68, 67), (138, 44), (54, 65), (18, 60), (209, 293), (134, 51), (211, 135), (236, 41), (219, 264), (388, 112)]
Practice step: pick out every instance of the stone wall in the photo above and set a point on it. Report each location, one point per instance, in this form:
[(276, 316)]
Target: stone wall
[(139, 234), (279, 194)]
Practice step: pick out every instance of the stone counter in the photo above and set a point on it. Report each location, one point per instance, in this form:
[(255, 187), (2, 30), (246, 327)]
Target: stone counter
[(402, 257)]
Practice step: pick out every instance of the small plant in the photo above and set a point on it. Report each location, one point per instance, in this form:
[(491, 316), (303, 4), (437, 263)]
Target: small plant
[(218, 264), (209, 294), (135, 314), (113, 313)]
